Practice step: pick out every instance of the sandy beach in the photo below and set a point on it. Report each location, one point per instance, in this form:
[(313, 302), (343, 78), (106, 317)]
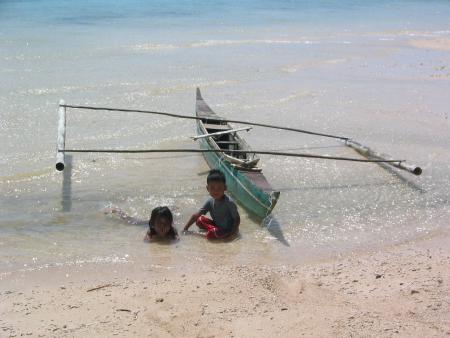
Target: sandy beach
[(401, 291)]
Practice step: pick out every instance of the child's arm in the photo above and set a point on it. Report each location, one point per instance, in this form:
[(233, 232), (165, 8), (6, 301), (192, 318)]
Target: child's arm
[(124, 216), (203, 210), (191, 221)]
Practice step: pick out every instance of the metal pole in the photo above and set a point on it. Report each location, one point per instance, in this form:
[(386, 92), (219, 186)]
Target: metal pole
[(262, 152), (61, 140)]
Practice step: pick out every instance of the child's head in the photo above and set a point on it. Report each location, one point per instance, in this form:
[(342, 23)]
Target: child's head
[(216, 184), (161, 221)]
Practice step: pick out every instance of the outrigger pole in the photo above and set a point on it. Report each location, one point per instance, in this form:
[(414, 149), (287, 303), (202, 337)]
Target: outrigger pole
[(206, 119), (262, 152), (61, 140), (371, 155)]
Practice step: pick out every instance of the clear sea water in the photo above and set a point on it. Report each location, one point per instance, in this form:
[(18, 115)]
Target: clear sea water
[(340, 67)]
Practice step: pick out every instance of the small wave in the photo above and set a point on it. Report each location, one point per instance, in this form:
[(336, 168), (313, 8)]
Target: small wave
[(296, 68), (444, 32), (76, 262), (71, 89), (295, 96), (28, 176), (423, 34), (22, 57), (214, 43), (165, 90), (153, 46)]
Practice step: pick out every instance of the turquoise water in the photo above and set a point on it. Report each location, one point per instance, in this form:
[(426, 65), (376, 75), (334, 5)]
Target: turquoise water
[(346, 68)]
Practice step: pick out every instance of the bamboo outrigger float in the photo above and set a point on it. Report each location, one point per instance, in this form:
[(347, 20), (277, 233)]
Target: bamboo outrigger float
[(369, 153), (245, 180), (224, 149)]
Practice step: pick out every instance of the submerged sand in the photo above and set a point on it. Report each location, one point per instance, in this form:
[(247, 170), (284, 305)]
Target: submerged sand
[(402, 291), (440, 44)]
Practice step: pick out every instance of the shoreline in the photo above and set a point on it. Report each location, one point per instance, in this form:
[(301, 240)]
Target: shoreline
[(400, 290)]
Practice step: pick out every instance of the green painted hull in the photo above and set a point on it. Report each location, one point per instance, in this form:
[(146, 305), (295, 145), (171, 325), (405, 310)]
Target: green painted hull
[(245, 192)]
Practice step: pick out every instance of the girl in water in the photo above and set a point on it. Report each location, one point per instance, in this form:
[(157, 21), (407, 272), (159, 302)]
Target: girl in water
[(160, 223)]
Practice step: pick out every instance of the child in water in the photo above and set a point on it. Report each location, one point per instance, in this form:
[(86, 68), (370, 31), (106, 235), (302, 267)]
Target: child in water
[(225, 216), (160, 223)]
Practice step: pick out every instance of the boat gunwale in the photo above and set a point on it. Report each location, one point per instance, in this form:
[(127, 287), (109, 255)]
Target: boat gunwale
[(242, 144)]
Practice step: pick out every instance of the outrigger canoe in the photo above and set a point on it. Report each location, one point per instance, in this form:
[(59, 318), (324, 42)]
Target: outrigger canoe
[(245, 180)]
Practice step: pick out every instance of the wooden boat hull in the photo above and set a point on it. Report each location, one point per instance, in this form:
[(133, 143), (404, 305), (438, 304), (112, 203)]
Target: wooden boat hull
[(248, 187)]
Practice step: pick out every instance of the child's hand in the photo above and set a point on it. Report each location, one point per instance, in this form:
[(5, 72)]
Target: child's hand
[(148, 237)]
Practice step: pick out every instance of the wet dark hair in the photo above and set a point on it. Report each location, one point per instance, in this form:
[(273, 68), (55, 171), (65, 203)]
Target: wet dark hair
[(165, 213), (215, 175), (160, 212)]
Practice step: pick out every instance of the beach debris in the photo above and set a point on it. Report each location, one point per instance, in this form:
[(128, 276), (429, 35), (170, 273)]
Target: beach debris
[(123, 310), (159, 300), (99, 287), (414, 291), (378, 275), (284, 309)]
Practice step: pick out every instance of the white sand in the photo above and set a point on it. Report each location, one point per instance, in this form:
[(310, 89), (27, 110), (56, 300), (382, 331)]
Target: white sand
[(400, 291)]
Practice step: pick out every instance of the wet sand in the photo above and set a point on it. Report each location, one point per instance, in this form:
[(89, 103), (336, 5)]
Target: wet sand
[(402, 290)]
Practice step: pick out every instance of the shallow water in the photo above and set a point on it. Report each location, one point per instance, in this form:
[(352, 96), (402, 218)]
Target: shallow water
[(345, 69)]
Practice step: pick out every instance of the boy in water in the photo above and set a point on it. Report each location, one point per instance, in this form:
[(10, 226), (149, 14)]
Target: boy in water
[(225, 217)]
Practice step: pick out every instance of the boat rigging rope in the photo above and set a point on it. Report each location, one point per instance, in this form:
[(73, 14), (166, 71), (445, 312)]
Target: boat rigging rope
[(276, 153), (207, 119)]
